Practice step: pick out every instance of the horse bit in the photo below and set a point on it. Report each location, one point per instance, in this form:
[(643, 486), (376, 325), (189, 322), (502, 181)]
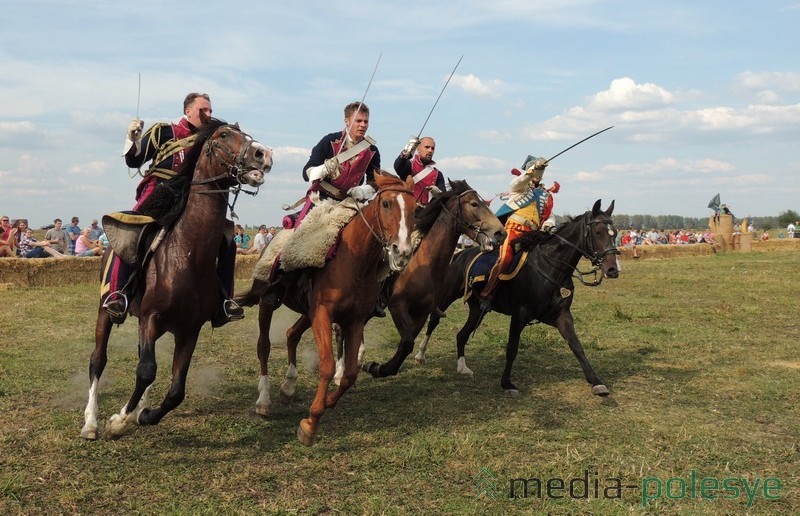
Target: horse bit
[(594, 257)]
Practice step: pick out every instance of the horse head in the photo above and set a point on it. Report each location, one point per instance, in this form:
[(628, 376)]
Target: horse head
[(243, 160), (479, 223), (601, 240), (394, 207)]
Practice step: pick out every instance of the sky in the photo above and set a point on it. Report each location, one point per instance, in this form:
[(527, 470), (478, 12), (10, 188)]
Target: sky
[(704, 96)]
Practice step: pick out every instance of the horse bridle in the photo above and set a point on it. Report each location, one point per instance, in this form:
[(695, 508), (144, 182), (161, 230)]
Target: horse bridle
[(384, 242), (588, 252), (233, 164), (477, 227)]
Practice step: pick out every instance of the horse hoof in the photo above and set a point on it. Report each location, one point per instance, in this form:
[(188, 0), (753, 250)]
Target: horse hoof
[(90, 434), (372, 368), (512, 393), (284, 398), (262, 410), (466, 371), (419, 360), (600, 390), (305, 436)]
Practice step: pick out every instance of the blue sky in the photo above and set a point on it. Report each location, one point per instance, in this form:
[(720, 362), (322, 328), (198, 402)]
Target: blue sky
[(704, 96)]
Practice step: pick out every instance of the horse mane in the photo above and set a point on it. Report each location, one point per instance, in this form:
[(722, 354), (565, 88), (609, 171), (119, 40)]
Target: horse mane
[(168, 200), (425, 217)]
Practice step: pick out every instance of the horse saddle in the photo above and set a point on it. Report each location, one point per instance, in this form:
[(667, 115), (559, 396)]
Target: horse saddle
[(478, 270), (127, 233), (314, 242)]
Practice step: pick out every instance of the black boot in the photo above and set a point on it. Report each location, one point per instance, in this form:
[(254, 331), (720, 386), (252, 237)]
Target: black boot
[(226, 312), (273, 297), (378, 311)]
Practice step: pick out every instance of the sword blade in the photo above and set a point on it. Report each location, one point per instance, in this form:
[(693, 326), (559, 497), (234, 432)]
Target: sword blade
[(138, 95), (440, 96), (580, 142)]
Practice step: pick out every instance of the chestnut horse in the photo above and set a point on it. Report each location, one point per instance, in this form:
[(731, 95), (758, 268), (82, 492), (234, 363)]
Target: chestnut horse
[(542, 290), (414, 292), (343, 292), (180, 290)]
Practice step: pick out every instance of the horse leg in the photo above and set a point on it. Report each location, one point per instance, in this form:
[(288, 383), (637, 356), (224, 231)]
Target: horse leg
[(463, 336), (307, 430), (145, 376), (337, 337), (293, 335), (355, 335), (514, 330), (408, 329), (263, 347), (566, 325), (97, 363), (433, 322), (181, 359)]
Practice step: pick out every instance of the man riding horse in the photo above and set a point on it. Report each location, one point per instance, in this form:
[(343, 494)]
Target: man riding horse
[(416, 160), (164, 145), (529, 204)]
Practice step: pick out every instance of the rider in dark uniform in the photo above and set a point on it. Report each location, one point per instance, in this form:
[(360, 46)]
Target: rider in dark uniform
[(428, 180)]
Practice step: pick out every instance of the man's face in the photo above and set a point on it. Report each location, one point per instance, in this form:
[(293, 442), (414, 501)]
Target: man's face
[(426, 149), (199, 112), (357, 125), (57, 225), (75, 222)]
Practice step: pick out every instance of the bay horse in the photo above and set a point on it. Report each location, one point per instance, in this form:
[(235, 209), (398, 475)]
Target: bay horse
[(179, 289), (542, 290), (342, 292), (413, 294)]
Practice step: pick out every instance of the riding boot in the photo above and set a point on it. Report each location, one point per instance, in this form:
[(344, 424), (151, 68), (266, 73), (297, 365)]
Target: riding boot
[(488, 291), (228, 311), (378, 310), (273, 297)]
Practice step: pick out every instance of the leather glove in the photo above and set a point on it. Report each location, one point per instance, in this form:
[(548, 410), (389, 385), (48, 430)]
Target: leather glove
[(549, 224), (434, 190), (333, 167), (317, 173), (410, 147), (135, 130), (538, 165), (361, 193)]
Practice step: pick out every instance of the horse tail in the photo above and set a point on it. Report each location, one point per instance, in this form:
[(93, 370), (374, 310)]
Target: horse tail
[(254, 295)]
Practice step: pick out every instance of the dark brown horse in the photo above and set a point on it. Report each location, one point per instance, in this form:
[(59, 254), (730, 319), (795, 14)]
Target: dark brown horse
[(542, 290), (342, 292), (179, 285), (413, 294)]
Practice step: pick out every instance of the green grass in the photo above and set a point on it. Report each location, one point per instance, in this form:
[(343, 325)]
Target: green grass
[(700, 355)]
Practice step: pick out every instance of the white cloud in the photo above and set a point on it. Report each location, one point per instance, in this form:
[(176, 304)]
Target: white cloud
[(475, 86), (625, 94)]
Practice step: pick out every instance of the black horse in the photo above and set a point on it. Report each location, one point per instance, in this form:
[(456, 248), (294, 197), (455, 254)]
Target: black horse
[(542, 290)]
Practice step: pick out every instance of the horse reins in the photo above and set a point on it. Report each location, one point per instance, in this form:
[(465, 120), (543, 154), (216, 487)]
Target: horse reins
[(384, 242), (477, 227)]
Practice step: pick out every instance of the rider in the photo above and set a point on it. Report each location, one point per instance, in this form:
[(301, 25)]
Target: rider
[(428, 180), (165, 145), (332, 179), (529, 204)]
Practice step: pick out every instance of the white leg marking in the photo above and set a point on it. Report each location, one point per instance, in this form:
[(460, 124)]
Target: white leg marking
[(89, 430), (124, 421), (337, 376), (291, 378), (263, 402), (423, 346), (462, 368), (362, 349)]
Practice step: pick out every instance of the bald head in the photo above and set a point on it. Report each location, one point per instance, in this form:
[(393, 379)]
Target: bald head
[(426, 148)]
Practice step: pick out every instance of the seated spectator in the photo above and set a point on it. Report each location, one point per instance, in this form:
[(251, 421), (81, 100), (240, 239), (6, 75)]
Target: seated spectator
[(104, 241), (87, 247), (73, 232), (241, 239), (673, 236), (765, 235), (58, 237), (260, 242), (8, 238), (29, 247), (95, 231)]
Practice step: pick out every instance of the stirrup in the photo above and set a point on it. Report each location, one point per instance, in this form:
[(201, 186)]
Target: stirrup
[(116, 306), (232, 310)]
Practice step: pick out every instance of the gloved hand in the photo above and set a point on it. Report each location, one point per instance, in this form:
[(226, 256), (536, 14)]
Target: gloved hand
[(135, 130), (333, 167), (549, 224), (361, 193), (538, 165), (410, 147), (317, 173), (434, 190)]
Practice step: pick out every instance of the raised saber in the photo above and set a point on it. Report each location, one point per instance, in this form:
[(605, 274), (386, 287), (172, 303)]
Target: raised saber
[(358, 109), (440, 96), (576, 144), (138, 95)]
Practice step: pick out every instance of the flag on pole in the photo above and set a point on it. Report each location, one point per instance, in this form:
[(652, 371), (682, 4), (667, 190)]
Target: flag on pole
[(714, 203)]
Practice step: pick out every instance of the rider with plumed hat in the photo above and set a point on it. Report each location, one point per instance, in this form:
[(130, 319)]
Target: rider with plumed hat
[(528, 208)]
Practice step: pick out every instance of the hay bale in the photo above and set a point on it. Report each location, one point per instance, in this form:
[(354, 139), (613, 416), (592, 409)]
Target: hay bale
[(666, 251)]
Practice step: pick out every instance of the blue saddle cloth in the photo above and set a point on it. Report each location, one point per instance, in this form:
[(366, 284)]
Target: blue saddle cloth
[(483, 263)]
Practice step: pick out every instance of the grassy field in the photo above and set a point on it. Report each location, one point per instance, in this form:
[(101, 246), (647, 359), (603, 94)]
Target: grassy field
[(700, 355)]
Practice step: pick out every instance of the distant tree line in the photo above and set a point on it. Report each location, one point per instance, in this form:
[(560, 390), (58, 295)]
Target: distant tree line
[(679, 222)]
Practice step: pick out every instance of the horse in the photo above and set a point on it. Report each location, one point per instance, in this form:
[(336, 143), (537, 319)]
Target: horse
[(542, 289), (413, 294), (177, 296), (342, 292)]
